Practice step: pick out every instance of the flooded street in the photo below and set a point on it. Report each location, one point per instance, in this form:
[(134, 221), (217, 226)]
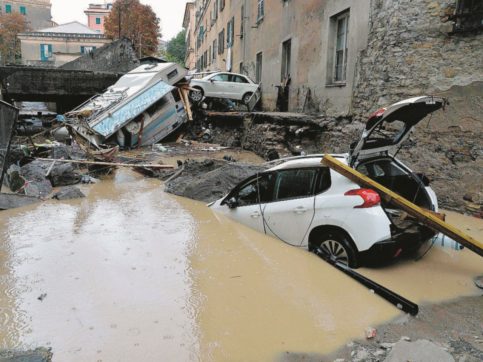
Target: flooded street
[(131, 273)]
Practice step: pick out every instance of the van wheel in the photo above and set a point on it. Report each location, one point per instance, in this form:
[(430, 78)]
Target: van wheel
[(336, 245), (196, 95)]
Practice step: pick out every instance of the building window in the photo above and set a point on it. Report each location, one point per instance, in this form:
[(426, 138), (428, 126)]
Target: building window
[(221, 42), (286, 59), (241, 68), (87, 49), (8, 9), (468, 15), (45, 52), (258, 69), (230, 33), (340, 26), (222, 5), (214, 49), (242, 22), (98, 21), (261, 10), (23, 10)]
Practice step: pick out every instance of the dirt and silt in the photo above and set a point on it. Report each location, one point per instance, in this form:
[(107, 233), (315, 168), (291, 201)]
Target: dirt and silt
[(133, 273)]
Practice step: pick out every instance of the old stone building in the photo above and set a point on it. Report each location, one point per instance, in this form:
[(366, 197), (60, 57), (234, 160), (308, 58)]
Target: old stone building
[(37, 11), (340, 57)]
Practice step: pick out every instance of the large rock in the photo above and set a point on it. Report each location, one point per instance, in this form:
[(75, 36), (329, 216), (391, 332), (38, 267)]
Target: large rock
[(69, 193)]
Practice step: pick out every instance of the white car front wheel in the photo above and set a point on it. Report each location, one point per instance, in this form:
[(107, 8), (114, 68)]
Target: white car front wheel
[(196, 95), (337, 246), (246, 98)]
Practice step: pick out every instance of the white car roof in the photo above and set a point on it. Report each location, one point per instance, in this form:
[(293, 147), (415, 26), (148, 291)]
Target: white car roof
[(306, 161)]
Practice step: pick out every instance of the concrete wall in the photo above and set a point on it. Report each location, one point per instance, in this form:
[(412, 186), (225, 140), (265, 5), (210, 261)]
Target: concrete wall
[(309, 27), (411, 52), (64, 49), (117, 57), (37, 11)]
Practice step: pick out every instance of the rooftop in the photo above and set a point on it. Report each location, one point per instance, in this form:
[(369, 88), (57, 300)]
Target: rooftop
[(69, 28)]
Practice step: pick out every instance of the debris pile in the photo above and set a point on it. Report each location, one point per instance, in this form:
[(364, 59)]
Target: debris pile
[(208, 180)]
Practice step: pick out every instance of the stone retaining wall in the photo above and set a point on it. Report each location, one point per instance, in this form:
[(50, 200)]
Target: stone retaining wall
[(411, 52)]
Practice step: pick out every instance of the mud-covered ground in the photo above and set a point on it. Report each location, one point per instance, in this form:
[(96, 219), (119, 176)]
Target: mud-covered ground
[(453, 328)]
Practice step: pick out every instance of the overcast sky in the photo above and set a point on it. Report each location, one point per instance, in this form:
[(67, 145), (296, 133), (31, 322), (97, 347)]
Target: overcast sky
[(169, 11)]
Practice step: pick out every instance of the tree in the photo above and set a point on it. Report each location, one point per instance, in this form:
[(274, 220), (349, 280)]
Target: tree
[(10, 26), (176, 48), (135, 21)]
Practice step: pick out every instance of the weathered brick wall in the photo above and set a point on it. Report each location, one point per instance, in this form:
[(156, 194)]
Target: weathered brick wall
[(411, 52)]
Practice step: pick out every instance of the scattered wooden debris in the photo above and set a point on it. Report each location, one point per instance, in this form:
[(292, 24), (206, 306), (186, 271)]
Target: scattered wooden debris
[(113, 164)]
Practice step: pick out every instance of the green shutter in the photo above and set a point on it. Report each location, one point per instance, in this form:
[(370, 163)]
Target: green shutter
[(8, 8), (23, 10)]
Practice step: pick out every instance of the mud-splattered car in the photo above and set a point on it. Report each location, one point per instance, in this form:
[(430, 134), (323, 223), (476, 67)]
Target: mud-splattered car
[(306, 204)]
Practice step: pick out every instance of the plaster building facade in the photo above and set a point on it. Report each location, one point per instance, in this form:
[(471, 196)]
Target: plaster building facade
[(38, 12), (189, 26), (59, 45), (340, 57), (96, 14)]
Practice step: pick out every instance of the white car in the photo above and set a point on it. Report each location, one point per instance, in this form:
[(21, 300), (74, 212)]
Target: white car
[(306, 204), (223, 85)]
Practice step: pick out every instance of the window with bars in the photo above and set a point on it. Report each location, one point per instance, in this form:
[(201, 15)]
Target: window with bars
[(468, 15)]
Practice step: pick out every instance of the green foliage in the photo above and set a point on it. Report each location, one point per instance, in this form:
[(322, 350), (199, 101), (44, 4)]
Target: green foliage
[(176, 49)]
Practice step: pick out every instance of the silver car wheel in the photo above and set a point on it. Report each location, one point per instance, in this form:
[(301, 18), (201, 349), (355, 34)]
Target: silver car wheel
[(335, 249)]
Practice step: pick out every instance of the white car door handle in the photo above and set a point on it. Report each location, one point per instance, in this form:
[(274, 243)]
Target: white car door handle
[(255, 214), (299, 210)]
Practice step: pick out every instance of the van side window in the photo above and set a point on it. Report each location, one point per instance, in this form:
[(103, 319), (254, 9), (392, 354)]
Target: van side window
[(295, 183)]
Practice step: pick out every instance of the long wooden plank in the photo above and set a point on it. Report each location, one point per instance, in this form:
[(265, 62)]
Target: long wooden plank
[(87, 162), (424, 216)]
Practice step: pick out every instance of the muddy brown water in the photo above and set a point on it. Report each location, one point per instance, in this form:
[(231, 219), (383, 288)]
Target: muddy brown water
[(131, 273)]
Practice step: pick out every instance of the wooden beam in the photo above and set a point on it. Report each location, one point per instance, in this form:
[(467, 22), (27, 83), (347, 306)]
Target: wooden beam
[(424, 216), (183, 93), (113, 164)]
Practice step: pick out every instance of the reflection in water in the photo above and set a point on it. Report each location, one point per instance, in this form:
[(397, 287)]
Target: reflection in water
[(263, 298), (115, 271), (131, 273)]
